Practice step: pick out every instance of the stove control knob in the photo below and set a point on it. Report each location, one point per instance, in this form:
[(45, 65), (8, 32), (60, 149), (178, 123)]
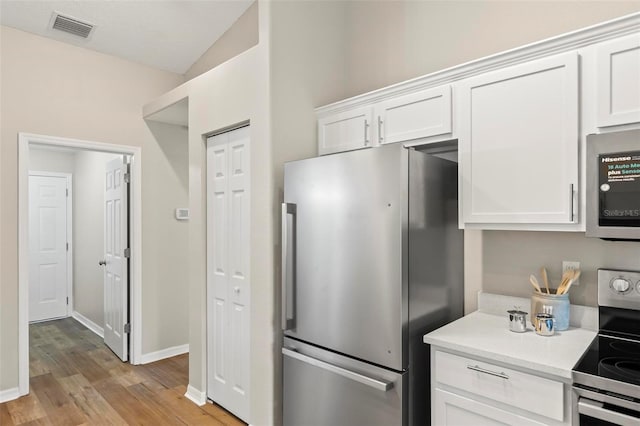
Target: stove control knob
[(620, 285)]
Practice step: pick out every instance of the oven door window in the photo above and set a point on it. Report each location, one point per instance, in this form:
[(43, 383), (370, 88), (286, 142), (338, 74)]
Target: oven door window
[(594, 413)]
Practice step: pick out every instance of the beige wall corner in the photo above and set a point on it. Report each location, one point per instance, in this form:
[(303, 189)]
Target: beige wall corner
[(242, 36)]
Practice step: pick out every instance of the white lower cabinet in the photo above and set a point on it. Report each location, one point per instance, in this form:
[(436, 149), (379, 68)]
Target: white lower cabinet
[(468, 391), (452, 409)]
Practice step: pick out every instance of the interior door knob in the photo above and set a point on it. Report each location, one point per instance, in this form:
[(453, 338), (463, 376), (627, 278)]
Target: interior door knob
[(102, 262)]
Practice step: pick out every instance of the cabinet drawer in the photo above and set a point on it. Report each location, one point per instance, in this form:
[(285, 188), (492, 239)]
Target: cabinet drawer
[(521, 390)]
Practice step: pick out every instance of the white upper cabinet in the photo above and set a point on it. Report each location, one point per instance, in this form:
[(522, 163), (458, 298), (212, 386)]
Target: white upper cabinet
[(518, 137), (618, 81), (417, 115), (345, 131)]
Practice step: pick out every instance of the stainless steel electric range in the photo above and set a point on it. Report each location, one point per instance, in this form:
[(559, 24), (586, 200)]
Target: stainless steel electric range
[(606, 380)]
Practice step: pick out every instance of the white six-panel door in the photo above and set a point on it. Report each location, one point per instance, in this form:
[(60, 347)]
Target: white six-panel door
[(228, 291), (116, 267), (48, 266)]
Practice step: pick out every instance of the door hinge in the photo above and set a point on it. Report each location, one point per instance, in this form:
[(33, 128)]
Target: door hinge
[(67, 300), (127, 252), (67, 191), (127, 177), (67, 246), (127, 328)]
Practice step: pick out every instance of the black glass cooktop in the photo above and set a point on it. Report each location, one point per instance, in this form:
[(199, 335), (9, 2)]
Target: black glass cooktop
[(612, 358)]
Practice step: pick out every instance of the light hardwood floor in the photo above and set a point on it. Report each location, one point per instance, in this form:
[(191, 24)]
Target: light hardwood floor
[(75, 379)]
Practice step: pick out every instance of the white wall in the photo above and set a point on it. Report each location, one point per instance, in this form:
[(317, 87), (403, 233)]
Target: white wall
[(242, 36), (392, 41), (47, 160), (56, 89), (165, 304)]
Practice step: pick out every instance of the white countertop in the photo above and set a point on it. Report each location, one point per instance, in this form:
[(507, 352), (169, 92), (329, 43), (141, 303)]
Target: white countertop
[(487, 335)]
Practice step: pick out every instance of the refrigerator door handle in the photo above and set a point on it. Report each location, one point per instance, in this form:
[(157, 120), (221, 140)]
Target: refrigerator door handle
[(288, 245), (377, 384)]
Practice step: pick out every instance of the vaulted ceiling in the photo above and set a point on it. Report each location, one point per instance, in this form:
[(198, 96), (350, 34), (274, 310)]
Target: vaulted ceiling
[(165, 34)]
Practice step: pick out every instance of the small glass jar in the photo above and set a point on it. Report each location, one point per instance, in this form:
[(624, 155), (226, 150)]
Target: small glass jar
[(558, 304)]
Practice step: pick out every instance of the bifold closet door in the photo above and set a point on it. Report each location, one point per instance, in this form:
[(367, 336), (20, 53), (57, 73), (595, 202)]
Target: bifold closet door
[(228, 281)]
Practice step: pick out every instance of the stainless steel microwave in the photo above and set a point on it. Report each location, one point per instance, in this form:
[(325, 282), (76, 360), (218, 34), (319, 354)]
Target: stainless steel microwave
[(613, 185)]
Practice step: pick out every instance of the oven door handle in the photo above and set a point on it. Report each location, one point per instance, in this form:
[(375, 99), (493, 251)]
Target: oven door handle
[(596, 410)]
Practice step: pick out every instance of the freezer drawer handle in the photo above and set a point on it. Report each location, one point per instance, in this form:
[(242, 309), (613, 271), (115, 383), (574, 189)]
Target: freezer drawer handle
[(489, 372), (288, 266), (597, 411), (352, 375)]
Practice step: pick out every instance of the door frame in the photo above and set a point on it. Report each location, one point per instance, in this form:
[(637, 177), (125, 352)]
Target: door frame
[(69, 199), (25, 140)]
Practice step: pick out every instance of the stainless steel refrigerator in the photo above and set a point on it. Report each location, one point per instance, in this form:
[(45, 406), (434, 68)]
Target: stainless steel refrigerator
[(371, 261)]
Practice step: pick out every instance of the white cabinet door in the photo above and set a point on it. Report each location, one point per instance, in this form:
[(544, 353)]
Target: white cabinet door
[(450, 409), (518, 133), (619, 81), (416, 115), (228, 282), (345, 131)]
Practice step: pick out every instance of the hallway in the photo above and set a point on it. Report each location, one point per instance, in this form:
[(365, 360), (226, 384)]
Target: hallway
[(75, 379)]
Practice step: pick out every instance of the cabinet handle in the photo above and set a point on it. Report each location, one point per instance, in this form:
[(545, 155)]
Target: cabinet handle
[(380, 136), (366, 132), (489, 372), (571, 215)]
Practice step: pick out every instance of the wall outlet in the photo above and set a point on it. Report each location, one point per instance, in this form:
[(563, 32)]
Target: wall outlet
[(568, 265)]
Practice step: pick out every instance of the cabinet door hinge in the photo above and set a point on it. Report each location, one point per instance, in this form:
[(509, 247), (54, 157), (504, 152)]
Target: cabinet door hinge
[(127, 252), (127, 328)]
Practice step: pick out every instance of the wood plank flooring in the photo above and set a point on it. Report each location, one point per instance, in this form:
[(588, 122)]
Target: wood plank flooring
[(76, 380)]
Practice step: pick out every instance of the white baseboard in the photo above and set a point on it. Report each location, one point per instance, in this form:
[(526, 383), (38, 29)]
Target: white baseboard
[(88, 323), (195, 396), (164, 353), (9, 394)]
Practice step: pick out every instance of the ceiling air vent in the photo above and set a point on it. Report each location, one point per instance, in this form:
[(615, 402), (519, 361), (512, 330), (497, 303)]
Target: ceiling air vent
[(71, 25)]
